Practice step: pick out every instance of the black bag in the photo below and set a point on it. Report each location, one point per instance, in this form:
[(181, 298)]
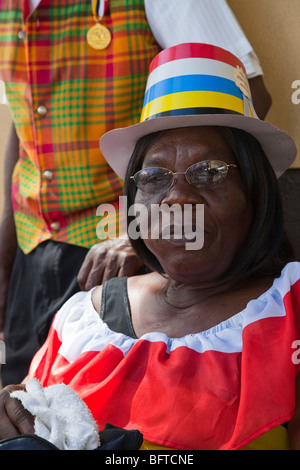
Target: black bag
[(111, 438)]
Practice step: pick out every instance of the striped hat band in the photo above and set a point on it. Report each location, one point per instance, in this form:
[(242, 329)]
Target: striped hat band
[(191, 79)]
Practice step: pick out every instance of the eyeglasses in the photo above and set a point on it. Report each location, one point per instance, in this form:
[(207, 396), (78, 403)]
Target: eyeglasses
[(200, 175)]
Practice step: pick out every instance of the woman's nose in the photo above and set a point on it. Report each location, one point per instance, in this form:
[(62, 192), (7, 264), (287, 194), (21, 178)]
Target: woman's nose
[(181, 192)]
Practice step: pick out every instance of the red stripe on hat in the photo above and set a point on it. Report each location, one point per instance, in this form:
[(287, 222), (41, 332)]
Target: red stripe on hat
[(188, 50)]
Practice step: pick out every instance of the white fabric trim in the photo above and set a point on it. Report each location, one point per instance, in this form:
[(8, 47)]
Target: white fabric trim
[(80, 328)]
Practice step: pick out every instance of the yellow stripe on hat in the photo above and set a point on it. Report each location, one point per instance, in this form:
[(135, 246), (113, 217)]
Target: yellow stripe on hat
[(192, 99)]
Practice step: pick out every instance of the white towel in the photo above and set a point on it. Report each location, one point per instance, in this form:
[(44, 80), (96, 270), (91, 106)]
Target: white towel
[(61, 417)]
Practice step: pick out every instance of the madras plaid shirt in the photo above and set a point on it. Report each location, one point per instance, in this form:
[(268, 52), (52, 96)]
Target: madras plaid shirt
[(63, 96)]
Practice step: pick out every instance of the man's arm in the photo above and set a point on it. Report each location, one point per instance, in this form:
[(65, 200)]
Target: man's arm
[(262, 99)]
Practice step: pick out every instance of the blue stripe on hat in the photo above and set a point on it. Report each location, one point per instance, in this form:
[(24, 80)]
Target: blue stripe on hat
[(192, 83)]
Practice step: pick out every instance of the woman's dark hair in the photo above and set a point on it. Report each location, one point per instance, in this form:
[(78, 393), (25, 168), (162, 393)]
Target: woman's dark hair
[(266, 249)]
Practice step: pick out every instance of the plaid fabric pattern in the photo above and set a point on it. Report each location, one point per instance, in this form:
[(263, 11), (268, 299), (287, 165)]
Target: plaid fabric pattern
[(63, 96)]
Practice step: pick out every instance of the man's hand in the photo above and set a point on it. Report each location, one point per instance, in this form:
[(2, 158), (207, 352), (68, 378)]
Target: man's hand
[(111, 258), (14, 419)]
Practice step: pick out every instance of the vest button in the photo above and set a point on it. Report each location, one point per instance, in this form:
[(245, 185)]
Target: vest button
[(42, 110), (48, 175), (22, 35)]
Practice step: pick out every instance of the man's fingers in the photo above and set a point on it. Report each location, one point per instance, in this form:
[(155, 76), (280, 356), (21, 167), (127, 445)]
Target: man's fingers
[(84, 273), (112, 267), (106, 260), (130, 266)]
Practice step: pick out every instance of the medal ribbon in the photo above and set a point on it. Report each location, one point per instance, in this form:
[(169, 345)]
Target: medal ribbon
[(99, 8), (99, 36)]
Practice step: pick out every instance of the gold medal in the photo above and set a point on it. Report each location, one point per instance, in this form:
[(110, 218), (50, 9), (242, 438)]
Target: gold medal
[(98, 36)]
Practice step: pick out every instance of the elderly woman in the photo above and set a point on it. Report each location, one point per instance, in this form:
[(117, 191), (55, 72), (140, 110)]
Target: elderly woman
[(200, 352)]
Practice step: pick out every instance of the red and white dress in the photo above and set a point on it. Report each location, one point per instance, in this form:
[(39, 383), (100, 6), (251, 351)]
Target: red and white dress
[(218, 389)]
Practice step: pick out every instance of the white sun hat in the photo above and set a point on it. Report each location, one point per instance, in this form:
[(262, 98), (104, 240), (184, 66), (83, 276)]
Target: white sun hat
[(195, 84)]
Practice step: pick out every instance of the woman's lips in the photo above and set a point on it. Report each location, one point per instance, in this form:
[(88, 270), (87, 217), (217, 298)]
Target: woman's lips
[(179, 235)]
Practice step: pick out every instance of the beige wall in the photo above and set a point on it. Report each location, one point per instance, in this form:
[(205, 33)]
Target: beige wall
[(272, 26)]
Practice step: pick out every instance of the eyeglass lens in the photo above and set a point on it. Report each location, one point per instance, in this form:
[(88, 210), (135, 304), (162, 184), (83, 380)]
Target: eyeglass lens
[(202, 174)]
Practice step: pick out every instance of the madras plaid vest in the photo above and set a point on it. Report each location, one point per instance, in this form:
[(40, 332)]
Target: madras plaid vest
[(63, 96)]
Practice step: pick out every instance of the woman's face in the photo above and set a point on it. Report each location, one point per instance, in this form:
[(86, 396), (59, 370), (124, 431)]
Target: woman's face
[(227, 213)]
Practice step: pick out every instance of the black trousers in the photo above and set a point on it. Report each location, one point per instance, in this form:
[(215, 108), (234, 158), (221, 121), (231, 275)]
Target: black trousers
[(41, 282)]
